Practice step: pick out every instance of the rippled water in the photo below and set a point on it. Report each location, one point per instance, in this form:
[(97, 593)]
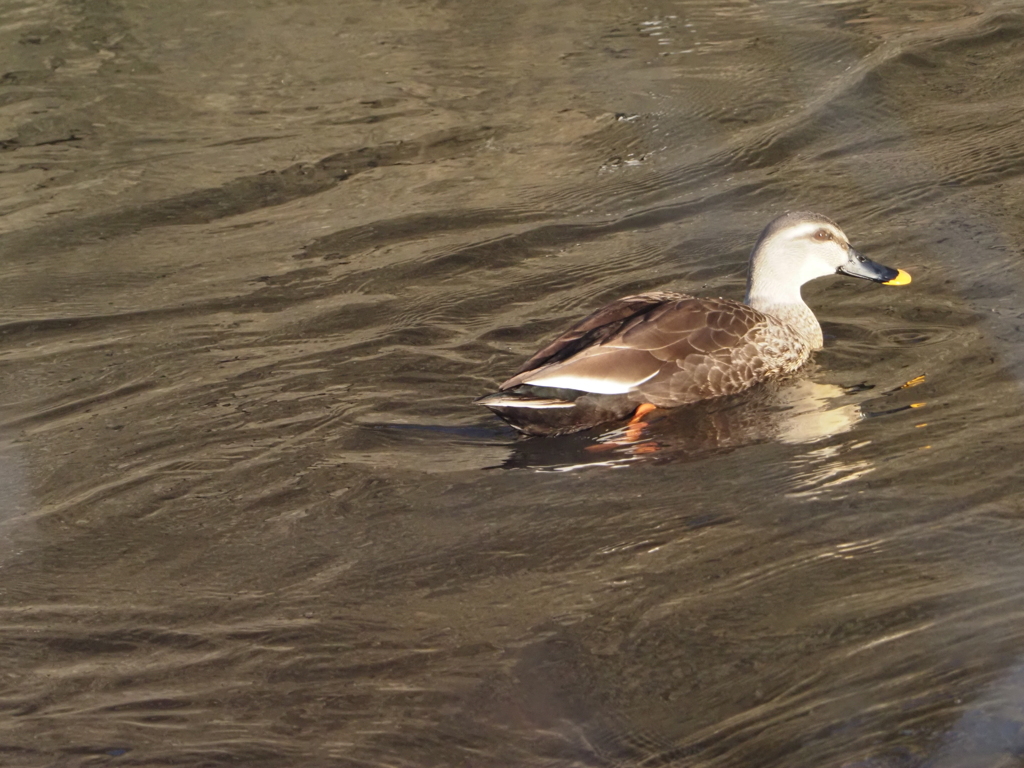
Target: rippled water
[(259, 257)]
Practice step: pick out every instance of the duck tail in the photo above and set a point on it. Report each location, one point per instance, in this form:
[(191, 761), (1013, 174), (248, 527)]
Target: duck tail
[(548, 411), (521, 400)]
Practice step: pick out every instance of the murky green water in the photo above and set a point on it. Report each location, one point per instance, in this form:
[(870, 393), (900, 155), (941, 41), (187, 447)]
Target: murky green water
[(258, 258)]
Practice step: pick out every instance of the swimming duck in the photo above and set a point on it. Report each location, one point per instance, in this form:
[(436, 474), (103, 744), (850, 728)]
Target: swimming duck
[(663, 349)]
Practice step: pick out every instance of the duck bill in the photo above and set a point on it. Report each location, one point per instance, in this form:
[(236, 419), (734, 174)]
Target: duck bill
[(861, 266)]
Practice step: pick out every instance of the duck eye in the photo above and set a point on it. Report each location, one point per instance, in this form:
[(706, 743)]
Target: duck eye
[(822, 235)]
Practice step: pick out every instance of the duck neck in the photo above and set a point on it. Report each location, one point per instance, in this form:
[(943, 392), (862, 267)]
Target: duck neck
[(789, 307)]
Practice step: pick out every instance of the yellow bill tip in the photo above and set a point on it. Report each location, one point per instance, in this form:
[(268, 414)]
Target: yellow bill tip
[(902, 278)]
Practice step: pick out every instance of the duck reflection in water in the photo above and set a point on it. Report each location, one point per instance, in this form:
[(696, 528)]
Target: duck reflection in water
[(794, 412)]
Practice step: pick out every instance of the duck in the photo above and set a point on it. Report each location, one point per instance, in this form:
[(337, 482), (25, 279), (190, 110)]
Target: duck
[(663, 349)]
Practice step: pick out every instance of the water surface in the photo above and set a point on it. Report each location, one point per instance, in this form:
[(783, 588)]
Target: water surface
[(259, 257)]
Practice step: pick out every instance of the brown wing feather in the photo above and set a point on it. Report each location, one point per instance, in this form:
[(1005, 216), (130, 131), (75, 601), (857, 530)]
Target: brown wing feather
[(681, 349), (598, 327), (721, 357)]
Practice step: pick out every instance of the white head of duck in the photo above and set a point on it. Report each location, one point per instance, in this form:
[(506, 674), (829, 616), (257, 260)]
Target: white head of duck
[(799, 247)]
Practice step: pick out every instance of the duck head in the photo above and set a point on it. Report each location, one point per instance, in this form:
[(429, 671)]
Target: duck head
[(795, 249), (799, 247)]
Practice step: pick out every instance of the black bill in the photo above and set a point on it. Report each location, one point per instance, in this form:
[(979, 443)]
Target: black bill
[(861, 266)]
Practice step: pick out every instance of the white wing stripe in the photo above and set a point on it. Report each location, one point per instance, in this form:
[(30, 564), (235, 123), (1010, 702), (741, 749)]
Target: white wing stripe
[(598, 386)]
